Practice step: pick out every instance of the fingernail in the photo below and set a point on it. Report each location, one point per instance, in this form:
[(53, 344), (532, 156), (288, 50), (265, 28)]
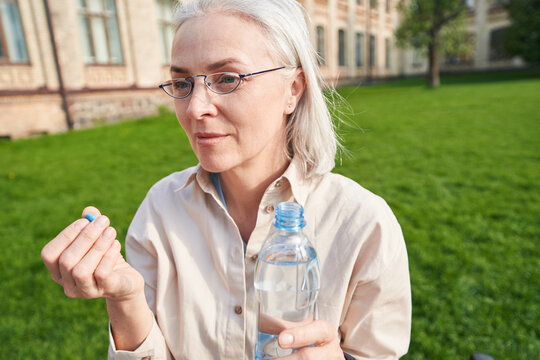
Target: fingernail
[(90, 217), (286, 339)]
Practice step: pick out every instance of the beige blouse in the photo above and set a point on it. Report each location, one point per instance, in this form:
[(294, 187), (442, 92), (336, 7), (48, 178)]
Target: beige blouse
[(199, 281)]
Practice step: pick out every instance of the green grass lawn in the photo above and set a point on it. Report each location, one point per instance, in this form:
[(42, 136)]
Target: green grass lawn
[(459, 166)]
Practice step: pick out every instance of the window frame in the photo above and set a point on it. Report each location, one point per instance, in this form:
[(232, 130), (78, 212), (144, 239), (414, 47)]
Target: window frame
[(342, 48), (359, 47), (321, 44), (3, 44), (6, 59), (372, 50), (417, 58), (163, 26), (103, 16)]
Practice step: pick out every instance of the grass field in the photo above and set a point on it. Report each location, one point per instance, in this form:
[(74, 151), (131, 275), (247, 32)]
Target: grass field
[(460, 167)]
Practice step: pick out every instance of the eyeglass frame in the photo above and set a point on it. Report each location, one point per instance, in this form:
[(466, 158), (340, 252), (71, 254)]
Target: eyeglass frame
[(189, 79)]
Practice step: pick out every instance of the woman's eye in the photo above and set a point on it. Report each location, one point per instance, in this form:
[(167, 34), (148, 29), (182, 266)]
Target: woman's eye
[(181, 85), (227, 79)]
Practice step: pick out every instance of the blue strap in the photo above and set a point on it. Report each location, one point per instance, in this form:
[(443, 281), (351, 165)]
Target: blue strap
[(215, 178)]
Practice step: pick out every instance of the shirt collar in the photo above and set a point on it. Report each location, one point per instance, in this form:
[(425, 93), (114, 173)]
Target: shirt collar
[(293, 175), (299, 185), (198, 173)]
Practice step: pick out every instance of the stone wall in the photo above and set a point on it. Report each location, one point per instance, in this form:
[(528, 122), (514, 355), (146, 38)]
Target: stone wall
[(23, 116), (88, 109)]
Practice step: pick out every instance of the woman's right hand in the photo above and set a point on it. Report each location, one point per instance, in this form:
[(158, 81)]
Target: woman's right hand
[(85, 260)]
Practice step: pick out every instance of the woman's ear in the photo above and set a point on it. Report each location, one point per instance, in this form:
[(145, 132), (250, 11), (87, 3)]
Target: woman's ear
[(297, 86)]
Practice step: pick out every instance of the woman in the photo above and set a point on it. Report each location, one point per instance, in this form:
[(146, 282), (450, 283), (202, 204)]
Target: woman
[(247, 94)]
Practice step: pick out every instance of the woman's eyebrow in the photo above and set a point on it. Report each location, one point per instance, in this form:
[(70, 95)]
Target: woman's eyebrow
[(211, 67), (178, 70), (224, 62)]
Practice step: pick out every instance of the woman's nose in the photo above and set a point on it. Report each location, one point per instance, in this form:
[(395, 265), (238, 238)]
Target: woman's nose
[(200, 100)]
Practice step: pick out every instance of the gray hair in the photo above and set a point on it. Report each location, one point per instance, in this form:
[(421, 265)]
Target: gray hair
[(311, 134)]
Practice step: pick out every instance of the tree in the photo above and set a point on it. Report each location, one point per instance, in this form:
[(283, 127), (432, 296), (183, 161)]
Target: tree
[(434, 26), (523, 36)]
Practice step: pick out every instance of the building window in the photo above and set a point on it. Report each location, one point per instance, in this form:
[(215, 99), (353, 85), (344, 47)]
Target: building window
[(387, 53), (166, 28), (373, 4), (497, 50), (359, 47), (371, 50), (321, 45), (341, 44), (417, 57), (359, 2), (12, 42), (388, 5), (100, 34)]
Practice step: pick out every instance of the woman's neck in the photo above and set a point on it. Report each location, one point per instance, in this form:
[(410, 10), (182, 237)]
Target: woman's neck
[(244, 188)]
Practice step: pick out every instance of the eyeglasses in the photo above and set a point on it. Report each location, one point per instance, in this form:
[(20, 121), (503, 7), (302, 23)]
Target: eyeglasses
[(220, 83)]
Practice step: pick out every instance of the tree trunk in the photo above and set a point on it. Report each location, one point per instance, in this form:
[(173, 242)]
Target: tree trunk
[(433, 71)]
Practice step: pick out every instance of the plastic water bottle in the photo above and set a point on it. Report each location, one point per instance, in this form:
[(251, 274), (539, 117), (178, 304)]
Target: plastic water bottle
[(287, 278)]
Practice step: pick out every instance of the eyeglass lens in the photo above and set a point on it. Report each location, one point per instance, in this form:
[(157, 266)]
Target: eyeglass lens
[(220, 83)]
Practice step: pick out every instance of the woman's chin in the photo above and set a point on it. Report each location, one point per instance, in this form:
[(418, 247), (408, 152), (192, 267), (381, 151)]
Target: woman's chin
[(213, 166)]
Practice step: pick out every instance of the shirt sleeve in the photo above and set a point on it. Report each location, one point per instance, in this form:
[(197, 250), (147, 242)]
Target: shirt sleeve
[(153, 347), (377, 321), (141, 253)]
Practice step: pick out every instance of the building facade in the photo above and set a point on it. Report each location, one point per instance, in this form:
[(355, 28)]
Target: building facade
[(74, 63), (71, 63), (354, 37)]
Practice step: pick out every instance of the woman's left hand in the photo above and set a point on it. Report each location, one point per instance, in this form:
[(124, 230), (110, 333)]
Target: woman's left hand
[(319, 333)]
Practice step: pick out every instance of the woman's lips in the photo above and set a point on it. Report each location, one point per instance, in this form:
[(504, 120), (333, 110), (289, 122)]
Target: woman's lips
[(210, 138)]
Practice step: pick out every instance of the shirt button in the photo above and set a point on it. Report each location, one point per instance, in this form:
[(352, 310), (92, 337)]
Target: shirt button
[(254, 257), (238, 309), (279, 183), (269, 209)]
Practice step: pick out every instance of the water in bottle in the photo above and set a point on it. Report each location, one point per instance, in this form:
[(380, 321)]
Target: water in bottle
[(287, 280)]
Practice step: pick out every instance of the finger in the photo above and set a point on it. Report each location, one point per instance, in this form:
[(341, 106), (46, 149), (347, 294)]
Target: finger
[(306, 353), (318, 332), (84, 241), (83, 272), (107, 266), (52, 251), (78, 248), (91, 210)]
